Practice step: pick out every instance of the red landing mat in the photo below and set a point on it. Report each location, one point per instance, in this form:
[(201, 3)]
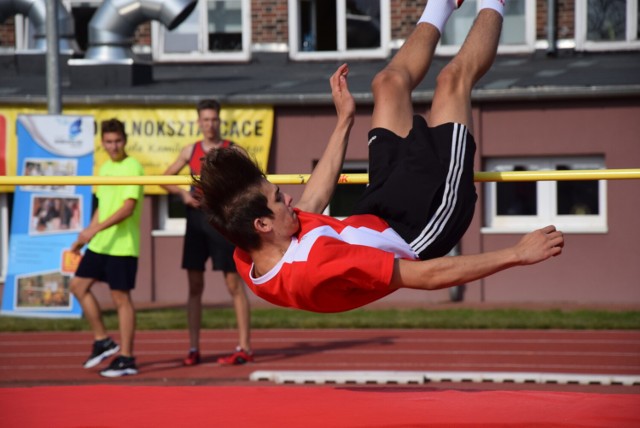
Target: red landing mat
[(292, 406)]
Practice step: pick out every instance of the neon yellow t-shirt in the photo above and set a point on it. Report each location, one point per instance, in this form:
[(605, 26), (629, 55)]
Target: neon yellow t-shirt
[(122, 239)]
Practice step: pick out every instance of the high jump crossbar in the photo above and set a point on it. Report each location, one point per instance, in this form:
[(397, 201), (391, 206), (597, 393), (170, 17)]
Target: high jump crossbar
[(482, 176)]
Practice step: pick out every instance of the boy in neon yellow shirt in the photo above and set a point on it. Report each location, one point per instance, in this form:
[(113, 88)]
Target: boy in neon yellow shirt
[(112, 254)]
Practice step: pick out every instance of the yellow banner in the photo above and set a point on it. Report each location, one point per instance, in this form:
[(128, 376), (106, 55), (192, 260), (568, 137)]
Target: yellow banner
[(155, 134)]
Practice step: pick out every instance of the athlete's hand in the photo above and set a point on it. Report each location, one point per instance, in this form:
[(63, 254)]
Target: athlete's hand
[(76, 247), (342, 98), (539, 245), (83, 239), (189, 200)]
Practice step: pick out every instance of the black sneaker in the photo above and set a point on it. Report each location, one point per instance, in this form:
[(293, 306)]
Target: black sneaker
[(121, 366), (101, 349)]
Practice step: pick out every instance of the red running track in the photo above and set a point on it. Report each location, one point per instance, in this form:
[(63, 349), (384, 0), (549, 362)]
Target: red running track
[(56, 358)]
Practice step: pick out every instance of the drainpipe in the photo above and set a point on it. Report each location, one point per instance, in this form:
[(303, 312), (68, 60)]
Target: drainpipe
[(54, 97), (112, 28), (36, 12), (552, 27)]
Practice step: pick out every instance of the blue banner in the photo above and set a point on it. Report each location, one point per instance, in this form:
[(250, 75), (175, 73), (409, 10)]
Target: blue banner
[(46, 219)]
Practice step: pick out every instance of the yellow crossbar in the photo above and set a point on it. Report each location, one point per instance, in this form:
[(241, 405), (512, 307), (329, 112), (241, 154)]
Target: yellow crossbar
[(583, 174)]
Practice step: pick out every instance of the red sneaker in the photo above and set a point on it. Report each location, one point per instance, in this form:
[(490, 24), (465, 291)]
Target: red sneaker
[(192, 359), (240, 356)]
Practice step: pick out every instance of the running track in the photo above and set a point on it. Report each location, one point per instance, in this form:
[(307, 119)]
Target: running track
[(30, 359)]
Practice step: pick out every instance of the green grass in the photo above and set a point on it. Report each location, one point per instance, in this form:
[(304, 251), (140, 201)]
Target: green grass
[(166, 319)]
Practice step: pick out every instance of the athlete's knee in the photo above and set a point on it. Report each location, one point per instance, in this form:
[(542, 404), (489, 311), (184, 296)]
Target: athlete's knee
[(196, 282), (234, 283), (196, 289), (390, 80), (121, 298), (453, 80), (78, 287)]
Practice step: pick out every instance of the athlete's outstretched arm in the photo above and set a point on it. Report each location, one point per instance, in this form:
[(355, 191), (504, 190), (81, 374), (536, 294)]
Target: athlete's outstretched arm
[(444, 272), (323, 180)]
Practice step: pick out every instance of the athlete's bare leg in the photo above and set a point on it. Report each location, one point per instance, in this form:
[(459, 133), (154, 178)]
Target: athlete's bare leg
[(241, 306), (81, 289), (452, 97), (194, 306), (126, 320), (392, 87)]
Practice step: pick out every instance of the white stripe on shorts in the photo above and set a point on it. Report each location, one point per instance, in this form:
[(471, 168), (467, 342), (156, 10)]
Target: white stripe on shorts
[(449, 198)]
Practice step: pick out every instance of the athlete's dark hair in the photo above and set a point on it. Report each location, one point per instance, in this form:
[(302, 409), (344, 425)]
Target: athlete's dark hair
[(208, 105), (113, 125), (230, 182)]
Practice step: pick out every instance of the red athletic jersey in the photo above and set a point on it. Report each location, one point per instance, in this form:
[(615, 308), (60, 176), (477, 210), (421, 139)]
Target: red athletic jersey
[(195, 161), (331, 265)]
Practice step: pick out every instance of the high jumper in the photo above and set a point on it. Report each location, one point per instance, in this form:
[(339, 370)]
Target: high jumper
[(418, 205)]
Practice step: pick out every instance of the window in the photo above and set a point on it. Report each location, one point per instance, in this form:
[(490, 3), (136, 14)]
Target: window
[(171, 216), (518, 28), (336, 29), (215, 30), (607, 24), (573, 206)]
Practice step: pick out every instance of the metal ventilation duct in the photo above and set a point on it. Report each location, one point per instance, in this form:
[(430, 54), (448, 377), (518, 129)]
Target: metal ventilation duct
[(112, 28), (35, 11)]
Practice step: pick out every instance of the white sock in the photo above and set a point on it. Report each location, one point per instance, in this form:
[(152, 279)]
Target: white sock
[(497, 5), (437, 13)]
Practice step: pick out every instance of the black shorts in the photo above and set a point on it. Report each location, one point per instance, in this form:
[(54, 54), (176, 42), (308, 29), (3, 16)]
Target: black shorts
[(202, 241), (422, 185), (117, 271)]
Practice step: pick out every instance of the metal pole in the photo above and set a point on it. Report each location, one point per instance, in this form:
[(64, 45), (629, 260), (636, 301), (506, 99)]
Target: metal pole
[(551, 27), (54, 100)]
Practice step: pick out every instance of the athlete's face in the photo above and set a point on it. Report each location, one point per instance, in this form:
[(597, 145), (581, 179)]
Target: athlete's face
[(113, 143), (209, 123), (285, 220)]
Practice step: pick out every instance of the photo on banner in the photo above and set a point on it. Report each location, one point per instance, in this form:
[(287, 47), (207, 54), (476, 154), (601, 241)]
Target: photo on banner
[(43, 291), (46, 167), (38, 274), (55, 214)]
